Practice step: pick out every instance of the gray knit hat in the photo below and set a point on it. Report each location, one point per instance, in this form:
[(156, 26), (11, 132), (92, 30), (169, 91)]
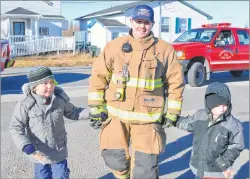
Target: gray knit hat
[(39, 75)]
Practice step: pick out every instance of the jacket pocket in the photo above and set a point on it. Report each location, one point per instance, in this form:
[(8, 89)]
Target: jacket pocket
[(148, 74), (61, 142), (36, 121), (152, 106)]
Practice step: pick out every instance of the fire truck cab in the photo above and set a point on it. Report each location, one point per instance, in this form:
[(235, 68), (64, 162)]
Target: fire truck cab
[(212, 48)]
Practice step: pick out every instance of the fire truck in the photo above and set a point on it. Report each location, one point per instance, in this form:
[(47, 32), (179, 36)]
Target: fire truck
[(6, 61), (212, 48)]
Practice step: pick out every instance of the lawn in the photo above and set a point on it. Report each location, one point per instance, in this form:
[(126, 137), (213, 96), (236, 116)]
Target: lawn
[(61, 60)]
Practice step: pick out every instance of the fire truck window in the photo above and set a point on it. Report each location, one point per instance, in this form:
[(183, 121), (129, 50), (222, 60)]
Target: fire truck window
[(243, 37), (227, 36)]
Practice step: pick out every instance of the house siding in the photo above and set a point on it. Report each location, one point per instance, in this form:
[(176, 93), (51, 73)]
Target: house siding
[(83, 25), (171, 9), (55, 26), (177, 9), (121, 31), (98, 35), (167, 9), (4, 31), (39, 7)]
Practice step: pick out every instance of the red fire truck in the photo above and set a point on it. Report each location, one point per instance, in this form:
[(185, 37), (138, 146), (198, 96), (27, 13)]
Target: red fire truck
[(5, 61), (212, 48)]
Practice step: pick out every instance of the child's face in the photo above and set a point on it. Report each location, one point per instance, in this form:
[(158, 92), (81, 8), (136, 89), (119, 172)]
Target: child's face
[(45, 89), (219, 110)]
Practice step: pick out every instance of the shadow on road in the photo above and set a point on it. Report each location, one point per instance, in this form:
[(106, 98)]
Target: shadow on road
[(225, 77), (13, 84), (182, 163)]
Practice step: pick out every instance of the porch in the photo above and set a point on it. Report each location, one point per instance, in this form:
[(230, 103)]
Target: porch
[(20, 22), (35, 45)]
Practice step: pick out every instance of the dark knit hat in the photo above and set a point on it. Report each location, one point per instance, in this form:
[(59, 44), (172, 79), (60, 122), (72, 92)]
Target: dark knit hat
[(39, 75), (213, 100)]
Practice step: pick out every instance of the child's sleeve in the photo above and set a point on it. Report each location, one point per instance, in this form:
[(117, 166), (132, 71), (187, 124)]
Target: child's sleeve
[(236, 145), (18, 125), (186, 123), (74, 113)]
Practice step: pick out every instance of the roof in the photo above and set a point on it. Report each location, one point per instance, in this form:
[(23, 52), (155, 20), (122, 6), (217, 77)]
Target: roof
[(122, 8), (112, 10), (53, 17), (196, 9), (21, 10), (107, 22)]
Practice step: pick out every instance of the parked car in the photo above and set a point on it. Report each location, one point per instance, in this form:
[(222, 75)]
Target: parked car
[(6, 60), (212, 48)]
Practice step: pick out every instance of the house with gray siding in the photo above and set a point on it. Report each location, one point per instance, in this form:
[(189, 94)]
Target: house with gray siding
[(172, 18), (31, 18)]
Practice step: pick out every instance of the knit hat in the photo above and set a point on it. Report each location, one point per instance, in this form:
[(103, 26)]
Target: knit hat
[(143, 12), (213, 100), (38, 75)]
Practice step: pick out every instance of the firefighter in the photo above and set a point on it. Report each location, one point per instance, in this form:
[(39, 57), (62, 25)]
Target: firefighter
[(130, 83)]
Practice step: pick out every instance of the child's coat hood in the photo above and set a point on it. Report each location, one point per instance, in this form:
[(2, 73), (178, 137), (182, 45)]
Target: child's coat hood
[(221, 90), (26, 88)]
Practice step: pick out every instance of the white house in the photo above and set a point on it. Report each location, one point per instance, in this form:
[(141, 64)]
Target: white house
[(172, 18), (107, 29), (31, 18)]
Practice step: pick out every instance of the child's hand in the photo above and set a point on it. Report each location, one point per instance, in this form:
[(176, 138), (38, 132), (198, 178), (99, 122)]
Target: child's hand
[(39, 157), (229, 173)]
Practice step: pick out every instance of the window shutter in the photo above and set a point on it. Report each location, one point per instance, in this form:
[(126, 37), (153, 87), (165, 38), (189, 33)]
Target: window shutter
[(189, 23), (177, 25)]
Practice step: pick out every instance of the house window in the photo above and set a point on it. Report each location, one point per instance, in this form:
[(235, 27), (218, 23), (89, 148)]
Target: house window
[(183, 25), (165, 24), (115, 35), (243, 37), (19, 28), (44, 31)]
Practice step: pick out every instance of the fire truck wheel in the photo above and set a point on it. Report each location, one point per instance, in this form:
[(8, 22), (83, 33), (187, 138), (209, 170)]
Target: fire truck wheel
[(236, 73), (196, 74)]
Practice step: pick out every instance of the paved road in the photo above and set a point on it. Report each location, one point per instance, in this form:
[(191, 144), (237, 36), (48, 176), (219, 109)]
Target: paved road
[(84, 157)]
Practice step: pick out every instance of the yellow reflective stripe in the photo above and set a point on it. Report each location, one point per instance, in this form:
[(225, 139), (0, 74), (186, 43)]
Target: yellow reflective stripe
[(131, 116), (174, 104), (142, 83), (96, 96)]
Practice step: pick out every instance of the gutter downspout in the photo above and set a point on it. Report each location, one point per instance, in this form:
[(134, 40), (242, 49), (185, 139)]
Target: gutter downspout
[(159, 31)]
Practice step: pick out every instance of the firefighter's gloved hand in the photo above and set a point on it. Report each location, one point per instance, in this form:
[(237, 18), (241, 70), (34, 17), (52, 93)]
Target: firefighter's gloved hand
[(97, 115), (169, 120)]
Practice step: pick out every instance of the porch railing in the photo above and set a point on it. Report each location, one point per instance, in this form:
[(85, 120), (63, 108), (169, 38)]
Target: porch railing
[(42, 45), (21, 38)]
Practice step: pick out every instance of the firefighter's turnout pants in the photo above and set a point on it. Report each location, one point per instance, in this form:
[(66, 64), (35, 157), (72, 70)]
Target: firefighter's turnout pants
[(147, 142)]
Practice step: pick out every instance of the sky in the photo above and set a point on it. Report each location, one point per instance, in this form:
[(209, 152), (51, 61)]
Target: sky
[(235, 12)]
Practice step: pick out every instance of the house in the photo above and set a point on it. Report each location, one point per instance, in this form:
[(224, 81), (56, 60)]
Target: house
[(107, 29), (172, 18), (31, 18)]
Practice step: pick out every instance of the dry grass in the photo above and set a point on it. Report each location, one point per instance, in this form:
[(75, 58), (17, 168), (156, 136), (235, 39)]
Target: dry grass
[(61, 60)]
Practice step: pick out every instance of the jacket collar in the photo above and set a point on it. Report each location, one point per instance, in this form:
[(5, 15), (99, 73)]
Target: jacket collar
[(141, 44), (41, 99)]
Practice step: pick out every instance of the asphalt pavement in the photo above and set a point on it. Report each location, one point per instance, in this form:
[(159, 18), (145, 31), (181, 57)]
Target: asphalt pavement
[(85, 160)]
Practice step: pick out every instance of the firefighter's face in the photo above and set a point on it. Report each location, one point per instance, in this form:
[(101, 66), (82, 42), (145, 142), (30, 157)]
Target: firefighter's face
[(141, 28)]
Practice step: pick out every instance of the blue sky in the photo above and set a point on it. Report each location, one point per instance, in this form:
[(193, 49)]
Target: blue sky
[(236, 12)]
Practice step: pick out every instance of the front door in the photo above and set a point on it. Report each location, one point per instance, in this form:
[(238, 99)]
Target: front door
[(18, 28)]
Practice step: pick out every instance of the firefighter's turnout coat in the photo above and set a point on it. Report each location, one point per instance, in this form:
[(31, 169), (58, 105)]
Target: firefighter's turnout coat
[(138, 94)]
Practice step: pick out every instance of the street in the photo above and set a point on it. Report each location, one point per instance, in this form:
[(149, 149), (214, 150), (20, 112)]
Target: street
[(85, 160)]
